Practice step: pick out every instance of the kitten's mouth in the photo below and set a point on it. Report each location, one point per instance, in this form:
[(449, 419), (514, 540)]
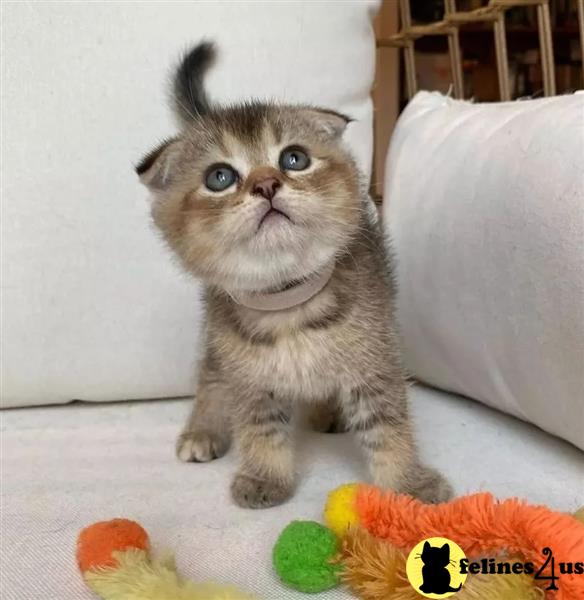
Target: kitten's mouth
[(273, 214)]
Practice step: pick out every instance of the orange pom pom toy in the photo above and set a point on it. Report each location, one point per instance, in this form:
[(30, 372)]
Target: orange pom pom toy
[(114, 559), (98, 542)]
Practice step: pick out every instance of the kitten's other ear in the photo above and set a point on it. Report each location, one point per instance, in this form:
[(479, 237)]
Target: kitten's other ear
[(156, 168), (427, 547), (446, 549), (329, 122)]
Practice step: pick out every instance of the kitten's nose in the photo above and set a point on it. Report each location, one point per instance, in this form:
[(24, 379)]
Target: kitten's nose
[(266, 187)]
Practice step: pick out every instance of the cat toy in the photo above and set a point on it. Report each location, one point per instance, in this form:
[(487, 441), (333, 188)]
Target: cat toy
[(115, 561), (376, 530)]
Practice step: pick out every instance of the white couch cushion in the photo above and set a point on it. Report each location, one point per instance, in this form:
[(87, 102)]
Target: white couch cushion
[(485, 203), (123, 466), (92, 307)]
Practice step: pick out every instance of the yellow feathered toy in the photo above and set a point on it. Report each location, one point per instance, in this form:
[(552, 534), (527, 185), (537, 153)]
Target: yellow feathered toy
[(115, 561)]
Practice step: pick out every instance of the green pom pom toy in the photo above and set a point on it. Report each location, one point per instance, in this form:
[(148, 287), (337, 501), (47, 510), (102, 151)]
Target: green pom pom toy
[(302, 557)]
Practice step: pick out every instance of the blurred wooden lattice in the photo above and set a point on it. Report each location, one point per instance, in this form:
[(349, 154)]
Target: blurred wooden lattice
[(493, 12)]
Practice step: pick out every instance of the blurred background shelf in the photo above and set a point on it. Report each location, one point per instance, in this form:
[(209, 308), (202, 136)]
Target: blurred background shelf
[(477, 46)]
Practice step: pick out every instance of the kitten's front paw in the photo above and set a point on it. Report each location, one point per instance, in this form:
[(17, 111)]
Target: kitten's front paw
[(254, 492), (201, 446)]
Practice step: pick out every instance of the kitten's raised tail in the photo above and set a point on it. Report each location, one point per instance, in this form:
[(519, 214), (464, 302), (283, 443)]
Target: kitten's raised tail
[(189, 97)]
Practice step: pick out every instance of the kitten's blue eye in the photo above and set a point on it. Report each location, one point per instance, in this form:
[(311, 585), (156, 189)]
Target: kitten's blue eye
[(220, 177), (294, 159)]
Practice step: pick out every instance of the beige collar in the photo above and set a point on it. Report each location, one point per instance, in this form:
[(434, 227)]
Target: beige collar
[(287, 298)]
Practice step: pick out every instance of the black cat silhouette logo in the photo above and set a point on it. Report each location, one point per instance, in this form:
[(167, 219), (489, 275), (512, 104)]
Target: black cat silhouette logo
[(433, 568), (435, 572)]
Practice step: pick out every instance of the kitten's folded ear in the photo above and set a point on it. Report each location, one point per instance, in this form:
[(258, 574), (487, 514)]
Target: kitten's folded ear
[(156, 169), (329, 122)]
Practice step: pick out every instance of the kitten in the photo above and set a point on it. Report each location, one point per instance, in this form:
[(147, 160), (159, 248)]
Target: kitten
[(435, 572), (264, 203)]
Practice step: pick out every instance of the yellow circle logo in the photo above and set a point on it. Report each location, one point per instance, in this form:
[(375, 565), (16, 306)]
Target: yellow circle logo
[(433, 568)]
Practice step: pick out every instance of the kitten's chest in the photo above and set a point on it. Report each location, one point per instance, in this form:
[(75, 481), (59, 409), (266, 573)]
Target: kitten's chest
[(308, 353), (307, 364)]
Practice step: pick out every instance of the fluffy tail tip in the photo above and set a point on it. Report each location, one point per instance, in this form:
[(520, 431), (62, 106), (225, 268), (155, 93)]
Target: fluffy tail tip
[(188, 91)]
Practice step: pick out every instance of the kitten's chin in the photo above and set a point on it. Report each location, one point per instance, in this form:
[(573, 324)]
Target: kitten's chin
[(273, 220), (274, 230), (250, 271)]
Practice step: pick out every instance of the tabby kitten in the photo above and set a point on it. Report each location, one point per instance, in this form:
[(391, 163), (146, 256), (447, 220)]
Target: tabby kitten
[(264, 203)]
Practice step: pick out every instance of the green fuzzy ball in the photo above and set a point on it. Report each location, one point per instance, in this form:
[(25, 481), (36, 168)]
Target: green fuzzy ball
[(302, 557)]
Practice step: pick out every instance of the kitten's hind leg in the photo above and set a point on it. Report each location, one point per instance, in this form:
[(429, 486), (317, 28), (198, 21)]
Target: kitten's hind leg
[(207, 434), (327, 416), (427, 484), (378, 416)]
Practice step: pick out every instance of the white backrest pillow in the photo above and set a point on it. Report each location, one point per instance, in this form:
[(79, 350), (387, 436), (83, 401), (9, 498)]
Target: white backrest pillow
[(92, 306), (485, 203)]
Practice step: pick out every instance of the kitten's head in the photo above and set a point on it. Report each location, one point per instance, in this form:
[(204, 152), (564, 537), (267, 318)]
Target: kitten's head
[(436, 556), (255, 195)]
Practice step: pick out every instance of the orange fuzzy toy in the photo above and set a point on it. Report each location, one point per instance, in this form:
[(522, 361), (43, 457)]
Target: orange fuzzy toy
[(97, 542), (480, 525), (115, 562)]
